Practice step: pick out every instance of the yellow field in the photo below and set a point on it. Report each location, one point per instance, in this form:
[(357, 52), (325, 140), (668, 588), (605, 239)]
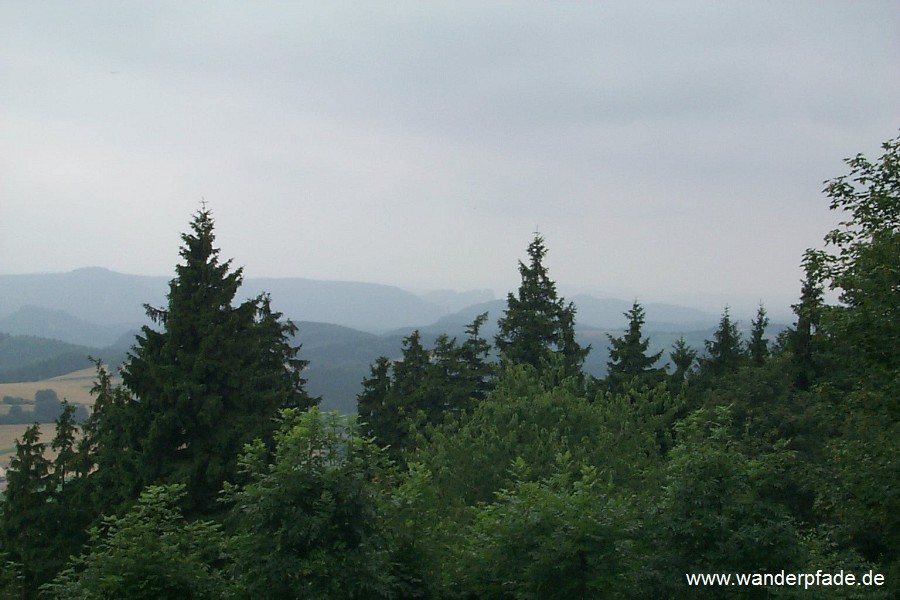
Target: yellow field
[(8, 436), (10, 433), (74, 387)]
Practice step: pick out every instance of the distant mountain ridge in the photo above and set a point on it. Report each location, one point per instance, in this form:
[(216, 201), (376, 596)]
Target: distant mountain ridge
[(60, 325), (108, 298), (53, 321), (115, 302)]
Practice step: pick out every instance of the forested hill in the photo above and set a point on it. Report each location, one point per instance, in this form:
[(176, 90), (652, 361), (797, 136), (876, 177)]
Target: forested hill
[(55, 321), (100, 305), (49, 342)]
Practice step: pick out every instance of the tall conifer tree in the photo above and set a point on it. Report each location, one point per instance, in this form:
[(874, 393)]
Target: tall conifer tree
[(758, 346), (212, 377), (537, 324), (628, 355), (724, 352), (683, 358)]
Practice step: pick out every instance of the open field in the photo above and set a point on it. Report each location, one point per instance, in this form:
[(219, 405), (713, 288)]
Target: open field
[(8, 436), (10, 433), (74, 387)]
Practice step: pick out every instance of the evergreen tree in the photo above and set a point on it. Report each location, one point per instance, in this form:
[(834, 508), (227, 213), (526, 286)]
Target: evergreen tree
[(372, 406), (629, 360), (458, 374), (801, 339), (49, 504), (758, 346), (683, 357), (724, 351), (392, 404), (25, 520), (537, 323), (65, 445), (212, 378), (424, 386), (473, 355), (108, 450)]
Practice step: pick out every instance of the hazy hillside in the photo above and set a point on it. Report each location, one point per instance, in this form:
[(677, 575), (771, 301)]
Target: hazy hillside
[(609, 313), (24, 358), (60, 325), (95, 295), (106, 298), (452, 301), (58, 320), (366, 306)]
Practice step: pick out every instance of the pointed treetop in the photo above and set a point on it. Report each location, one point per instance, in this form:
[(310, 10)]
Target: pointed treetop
[(629, 357), (537, 323)]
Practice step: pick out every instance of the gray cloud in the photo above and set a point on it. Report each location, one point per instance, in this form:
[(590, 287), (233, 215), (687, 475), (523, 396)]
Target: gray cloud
[(664, 148)]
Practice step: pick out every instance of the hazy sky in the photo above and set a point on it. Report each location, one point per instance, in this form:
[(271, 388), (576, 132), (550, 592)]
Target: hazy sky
[(664, 149)]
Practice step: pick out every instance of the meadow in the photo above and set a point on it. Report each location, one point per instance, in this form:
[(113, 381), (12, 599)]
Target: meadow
[(74, 387)]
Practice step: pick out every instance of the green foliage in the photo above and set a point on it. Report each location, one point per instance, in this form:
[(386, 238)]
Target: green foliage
[(712, 516), (537, 323), (866, 265), (858, 492), (469, 457), (527, 418), (11, 578), (151, 552), (420, 531), (307, 524), (852, 355), (559, 537), (515, 484)]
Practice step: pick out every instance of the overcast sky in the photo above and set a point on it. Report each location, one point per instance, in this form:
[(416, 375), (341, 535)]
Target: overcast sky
[(665, 150)]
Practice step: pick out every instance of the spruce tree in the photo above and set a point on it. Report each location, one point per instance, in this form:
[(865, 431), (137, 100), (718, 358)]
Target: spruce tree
[(424, 386), (682, 357), (629, 360), (758, 346), (724, 351), (537, 324), (212, 378), (477, 374), (23, 530), (801, 339), (372, 404)]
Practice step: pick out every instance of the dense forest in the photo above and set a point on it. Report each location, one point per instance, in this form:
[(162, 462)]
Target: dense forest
[(211, 473)]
